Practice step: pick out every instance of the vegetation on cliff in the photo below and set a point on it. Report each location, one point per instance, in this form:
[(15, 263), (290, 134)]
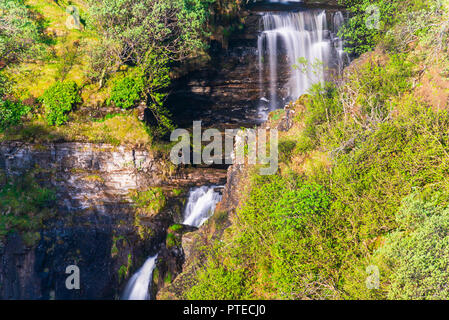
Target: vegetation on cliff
[(72, 63), (358, 208), (24, 206)]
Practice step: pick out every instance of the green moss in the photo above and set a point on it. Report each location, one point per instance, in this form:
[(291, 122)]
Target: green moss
[(123, 272), (125, 129), (114, 248), (171, 240), (25, 207), (149, 202), (168, 278), (175, 227)]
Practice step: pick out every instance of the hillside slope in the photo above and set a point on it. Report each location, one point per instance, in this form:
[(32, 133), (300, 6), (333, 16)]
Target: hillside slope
[(359, 207)]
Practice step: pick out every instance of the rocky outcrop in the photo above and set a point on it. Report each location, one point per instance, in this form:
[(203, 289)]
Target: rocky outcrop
[(86, 176), (195, 244), (94, 227)]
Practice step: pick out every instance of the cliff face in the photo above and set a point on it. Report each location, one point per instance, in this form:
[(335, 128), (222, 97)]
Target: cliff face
[(94, 228), (196, 244)]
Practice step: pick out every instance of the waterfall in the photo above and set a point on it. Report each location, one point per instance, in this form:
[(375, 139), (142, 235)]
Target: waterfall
[(138, 287), (200, 205), (287, 37), (343, 57)]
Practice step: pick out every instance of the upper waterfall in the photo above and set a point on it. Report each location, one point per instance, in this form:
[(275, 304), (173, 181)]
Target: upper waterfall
[(289, 37)]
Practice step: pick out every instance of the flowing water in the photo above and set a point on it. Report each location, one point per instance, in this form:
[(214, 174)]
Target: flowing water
[(139, 286), (201, 205), (302, 43)]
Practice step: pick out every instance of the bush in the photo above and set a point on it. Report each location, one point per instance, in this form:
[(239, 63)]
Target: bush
[(126, 92), (275, 246), (18, 32), (417, 255), (59, 100), (11, 114), (300, 207), (218, 283)]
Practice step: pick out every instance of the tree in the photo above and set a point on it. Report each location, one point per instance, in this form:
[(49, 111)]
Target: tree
[(131, 28), (18, 32)]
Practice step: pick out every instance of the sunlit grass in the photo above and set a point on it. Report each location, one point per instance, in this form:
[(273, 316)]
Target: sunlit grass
[(33, 77), (119, 130)]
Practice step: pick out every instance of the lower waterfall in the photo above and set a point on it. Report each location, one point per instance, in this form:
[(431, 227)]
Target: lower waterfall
[(139, 286), (200, 205)]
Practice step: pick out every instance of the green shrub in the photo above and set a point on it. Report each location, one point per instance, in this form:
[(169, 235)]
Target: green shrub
[(275, 246), (417, 255), (126, 92), (19, 32), (300, 207), (59, 100), (11, 114)]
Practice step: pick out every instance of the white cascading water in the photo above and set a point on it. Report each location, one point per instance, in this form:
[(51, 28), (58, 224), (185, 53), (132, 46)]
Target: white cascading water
[(200, 205), (139, 286), (296, 35), (343, 57)]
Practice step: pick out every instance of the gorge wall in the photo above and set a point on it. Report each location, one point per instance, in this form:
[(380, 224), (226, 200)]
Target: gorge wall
[(95, 227)]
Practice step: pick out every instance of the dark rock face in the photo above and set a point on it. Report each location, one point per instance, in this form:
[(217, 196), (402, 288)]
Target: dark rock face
[(94, 228)]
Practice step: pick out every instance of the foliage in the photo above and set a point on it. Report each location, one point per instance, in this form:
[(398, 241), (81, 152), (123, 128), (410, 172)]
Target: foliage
[(147, 83), (272, 250), (59, 100), (5, 86), (132, 28), (368, 22), (416, 257), (149, 202), (218, 283), (24, 206), (19, 33), (127, 91), (310, 234), (11, 113), (322, 105), (157, 75)]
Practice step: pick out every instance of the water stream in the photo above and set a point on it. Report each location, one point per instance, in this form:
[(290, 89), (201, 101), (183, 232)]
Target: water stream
[(302, 43), (139, 286), (201, 205)]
